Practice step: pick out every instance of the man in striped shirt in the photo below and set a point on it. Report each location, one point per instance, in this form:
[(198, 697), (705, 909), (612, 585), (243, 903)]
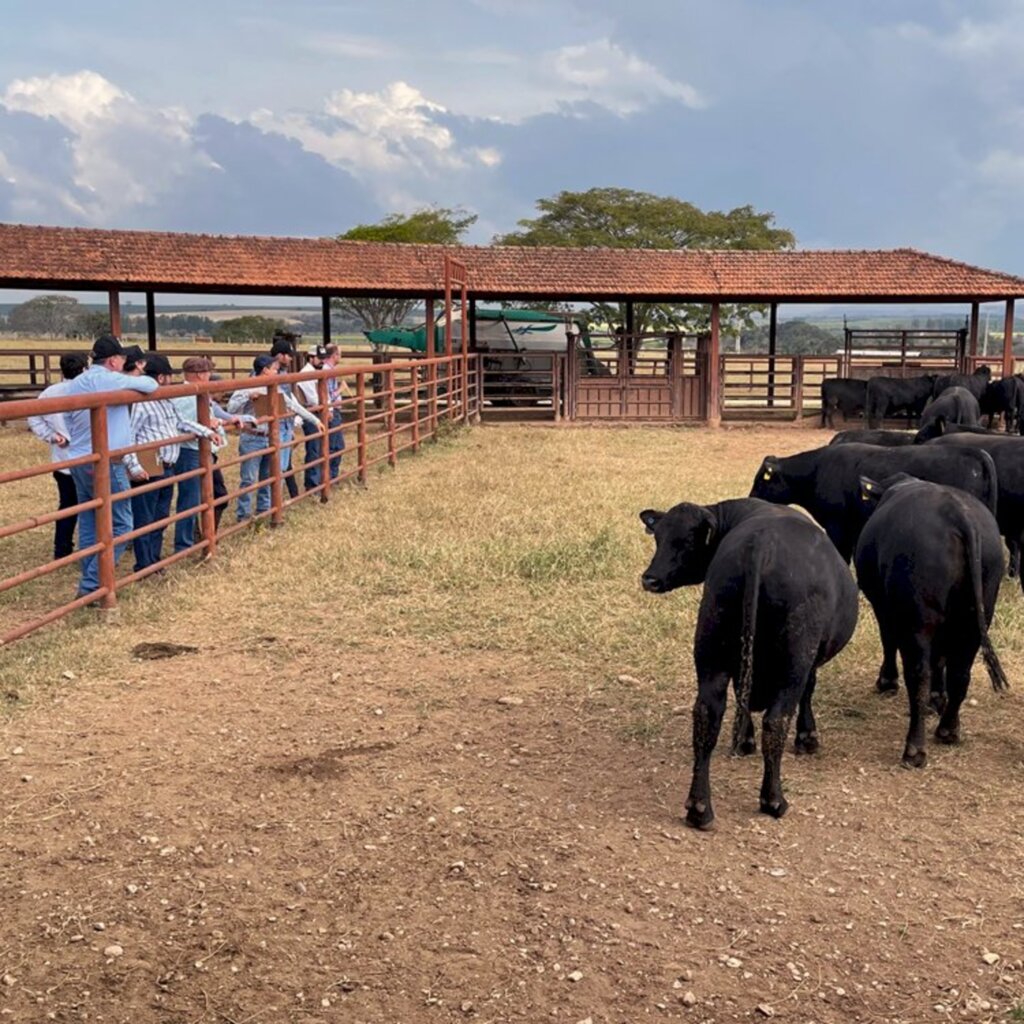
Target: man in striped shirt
[(156, 421)]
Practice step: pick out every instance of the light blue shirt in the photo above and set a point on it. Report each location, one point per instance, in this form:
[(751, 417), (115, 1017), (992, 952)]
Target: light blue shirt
[(119, 425), (188, 409)]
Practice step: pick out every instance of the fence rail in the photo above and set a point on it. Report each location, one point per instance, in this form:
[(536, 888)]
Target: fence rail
[(414, 399)]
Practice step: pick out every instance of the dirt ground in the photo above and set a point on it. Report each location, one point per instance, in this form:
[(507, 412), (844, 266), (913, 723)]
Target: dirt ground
[(393, 822)]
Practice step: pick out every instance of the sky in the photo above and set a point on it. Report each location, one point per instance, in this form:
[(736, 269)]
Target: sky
[(858, 125)]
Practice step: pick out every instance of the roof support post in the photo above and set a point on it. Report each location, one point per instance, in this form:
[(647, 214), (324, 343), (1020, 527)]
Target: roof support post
[(1008, 340), (431, 352), (114, 305), (773, 325), (972, 343), (472, 325), (325, 308), (150, 322), (714, 369), (632, 342)]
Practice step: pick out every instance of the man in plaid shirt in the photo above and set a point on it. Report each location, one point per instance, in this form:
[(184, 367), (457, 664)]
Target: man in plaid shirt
[(154, 421)]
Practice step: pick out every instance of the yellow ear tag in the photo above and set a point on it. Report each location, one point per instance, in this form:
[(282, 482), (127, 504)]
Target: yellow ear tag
[(767, 475), (867, 487)]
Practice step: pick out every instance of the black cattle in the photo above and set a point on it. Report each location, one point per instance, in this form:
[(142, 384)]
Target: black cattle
[(843, 394), (887, 396), (885, 438), (761, 624), (1003, 398), (826, 481), (974, 382), (1008, 455), (930, 561), (954, 406)]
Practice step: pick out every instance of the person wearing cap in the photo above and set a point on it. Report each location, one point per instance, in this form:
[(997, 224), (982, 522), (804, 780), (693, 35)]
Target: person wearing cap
[(308, 394), (337, 391), (134, 361), (283, 349), (197, 370), (155, 421), (53, 429), (103, 375), (255, 438)]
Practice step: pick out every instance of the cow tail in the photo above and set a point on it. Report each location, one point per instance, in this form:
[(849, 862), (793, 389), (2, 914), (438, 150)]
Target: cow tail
[(992, 500), (752, 588), (972, 542)]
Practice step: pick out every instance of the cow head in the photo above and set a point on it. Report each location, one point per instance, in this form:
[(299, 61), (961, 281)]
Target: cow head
[(872, 491), (684, 537), (984, 371), (770, 482), (936, 428)]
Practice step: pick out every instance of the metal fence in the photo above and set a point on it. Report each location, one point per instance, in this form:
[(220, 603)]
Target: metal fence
[(414, 400)]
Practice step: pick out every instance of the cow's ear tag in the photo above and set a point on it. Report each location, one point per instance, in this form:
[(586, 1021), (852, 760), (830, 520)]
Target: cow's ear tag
[(767, 475)]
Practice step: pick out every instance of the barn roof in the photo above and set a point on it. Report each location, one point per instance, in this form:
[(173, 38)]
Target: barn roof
[(87, 258)]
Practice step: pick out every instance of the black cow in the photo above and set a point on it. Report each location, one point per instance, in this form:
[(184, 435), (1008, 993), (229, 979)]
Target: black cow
[(887, 396), (974, 382), (885, 438), (826, 481), (1008, 455), (844, 394), (1003, 397), (930, 561), (954, 406), (761, 624)]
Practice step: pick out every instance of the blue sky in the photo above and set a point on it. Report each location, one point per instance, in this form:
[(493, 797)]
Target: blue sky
[(860, 125)]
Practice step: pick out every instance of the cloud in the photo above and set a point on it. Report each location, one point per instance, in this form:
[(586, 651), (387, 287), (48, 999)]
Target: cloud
[(355, 47), (122, 153), (602, 73)]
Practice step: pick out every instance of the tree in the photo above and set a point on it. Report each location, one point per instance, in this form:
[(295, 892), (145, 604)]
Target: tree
[(432, 225), (794, 337), (50, 315), (620, 218), (91, 323), (247, 328)]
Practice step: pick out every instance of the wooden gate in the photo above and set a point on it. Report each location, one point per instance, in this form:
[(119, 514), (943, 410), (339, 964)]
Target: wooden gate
[(663, 382)]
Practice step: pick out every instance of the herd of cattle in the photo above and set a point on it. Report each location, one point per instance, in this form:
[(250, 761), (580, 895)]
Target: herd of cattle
[(922, 515)]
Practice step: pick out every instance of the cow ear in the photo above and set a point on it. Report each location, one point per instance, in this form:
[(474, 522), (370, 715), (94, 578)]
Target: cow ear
[(769, 467), (650, 518), (940, 425), (870, 491), (709, 530)]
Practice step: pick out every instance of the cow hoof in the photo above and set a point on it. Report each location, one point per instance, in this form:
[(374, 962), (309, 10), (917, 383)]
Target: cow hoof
[(948, 736), (775, 808), (914, 758), (806, 743), (887, 687), (699, 815), (744, 748)]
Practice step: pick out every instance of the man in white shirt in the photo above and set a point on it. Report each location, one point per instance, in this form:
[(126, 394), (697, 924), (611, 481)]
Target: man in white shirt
[(308, 394), (54, 431)]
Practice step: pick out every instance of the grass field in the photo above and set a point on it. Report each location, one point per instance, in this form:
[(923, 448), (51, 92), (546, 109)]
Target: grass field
[(428, 764)]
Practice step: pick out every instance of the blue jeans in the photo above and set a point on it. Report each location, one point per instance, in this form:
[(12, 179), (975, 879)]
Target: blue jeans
[(188, 497), (314, 449), (149, 508), (258, 465), (122, 516), (336, 444)]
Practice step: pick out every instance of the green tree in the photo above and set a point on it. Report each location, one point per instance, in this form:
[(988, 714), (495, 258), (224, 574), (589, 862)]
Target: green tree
[(91, 323), (794, 337), (47, 315), (432, 225), (247, 329), (620, 218)]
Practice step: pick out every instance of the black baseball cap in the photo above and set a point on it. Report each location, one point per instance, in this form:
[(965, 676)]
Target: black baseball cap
[(133, 355), (282, 346), (105, 346), (260, 363), (158, 365)]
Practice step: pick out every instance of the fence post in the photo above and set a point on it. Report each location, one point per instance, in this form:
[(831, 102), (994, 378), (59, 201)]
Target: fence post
[(556, 386), (32, 369), (105, 513), (274, 440), (361, 427), (207, 518), (798, 388), (325, 444), (414, 406), (389, 386)]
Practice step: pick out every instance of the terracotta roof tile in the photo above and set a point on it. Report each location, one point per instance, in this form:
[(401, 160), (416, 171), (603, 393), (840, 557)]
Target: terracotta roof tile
[(166, 262)]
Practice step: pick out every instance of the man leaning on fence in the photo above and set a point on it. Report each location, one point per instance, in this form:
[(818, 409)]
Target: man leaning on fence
[(155, 421), (103, 375), (53, 429)]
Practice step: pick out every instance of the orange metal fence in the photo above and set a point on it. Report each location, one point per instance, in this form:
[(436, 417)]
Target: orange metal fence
[(414, 398)]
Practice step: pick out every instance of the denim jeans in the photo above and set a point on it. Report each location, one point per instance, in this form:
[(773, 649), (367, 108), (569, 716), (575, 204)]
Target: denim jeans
[(150, 508), (188, 497), (314, 449), (336, 444), (284, 455), (258, 466), (122, 516)]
